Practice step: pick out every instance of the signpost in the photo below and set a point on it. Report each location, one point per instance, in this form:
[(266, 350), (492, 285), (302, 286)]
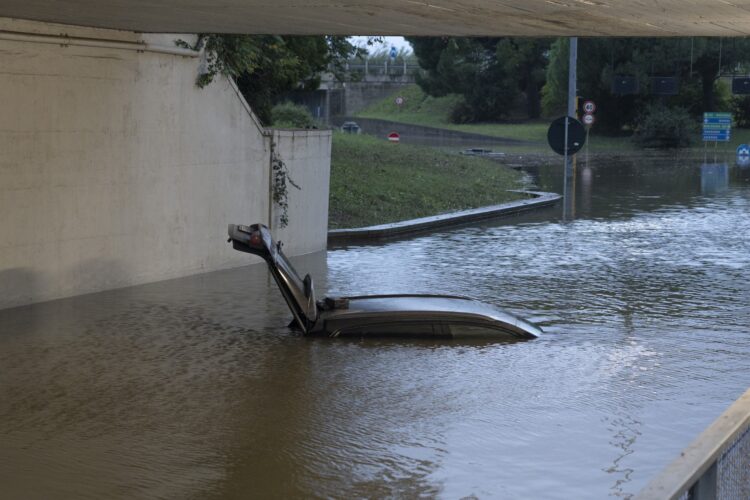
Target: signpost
[(566, 136), (589, 107), (743, 155), (717, 127), (394, 137)]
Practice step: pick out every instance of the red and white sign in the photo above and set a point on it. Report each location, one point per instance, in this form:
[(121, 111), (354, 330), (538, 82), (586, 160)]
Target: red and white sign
[(588, 119), (394, 137), (589, 107)]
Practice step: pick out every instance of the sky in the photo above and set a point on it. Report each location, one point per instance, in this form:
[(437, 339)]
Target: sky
[(396, 41)]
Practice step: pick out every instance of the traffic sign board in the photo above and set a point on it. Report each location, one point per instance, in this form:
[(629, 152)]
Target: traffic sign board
[(718, 121), (556, 135), (399, 100), (588, 119), (394, 137), (589, 107), (743, 150), (717, 126), (722, 137)]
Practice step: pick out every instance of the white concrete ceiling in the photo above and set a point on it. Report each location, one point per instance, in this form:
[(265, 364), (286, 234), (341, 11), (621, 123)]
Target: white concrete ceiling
[(399, 17)]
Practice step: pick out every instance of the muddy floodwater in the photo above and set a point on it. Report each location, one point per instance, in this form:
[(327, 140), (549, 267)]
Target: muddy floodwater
[(195, 388)]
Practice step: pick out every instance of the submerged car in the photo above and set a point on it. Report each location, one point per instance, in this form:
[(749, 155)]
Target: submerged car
[(434, 316)]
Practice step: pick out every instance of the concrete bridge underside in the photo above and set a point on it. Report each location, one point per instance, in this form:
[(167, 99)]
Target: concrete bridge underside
[(400, 17)]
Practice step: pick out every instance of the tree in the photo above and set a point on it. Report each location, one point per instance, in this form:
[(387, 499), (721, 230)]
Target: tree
[(489, 73), (694, 62), (527, 59), (266, 66)]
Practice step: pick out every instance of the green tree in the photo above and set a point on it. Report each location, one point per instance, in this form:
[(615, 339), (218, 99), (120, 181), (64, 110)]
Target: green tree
[(489, 73), (697, 64), (526, 59), (266, 66)]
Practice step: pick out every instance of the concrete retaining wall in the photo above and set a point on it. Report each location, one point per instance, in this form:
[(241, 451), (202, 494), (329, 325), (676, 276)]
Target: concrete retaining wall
[(359, 95), (307, 155), (115, 169)]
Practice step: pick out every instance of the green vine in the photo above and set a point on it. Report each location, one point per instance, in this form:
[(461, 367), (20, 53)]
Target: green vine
[(281, 180)]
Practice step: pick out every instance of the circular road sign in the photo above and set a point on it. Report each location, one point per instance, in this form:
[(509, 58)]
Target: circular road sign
[(588, 119), (394, 137), (399, 101), (589, 107), (556, 135), (743, 150)]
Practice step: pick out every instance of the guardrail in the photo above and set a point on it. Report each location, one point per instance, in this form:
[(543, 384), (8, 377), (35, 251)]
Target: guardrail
[(715, 466)]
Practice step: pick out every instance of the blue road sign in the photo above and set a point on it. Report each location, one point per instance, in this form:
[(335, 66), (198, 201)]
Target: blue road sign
[(717, 127), (743, 150), (717, 138)]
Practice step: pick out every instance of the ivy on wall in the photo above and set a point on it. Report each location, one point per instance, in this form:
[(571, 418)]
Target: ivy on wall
[(280, 186)]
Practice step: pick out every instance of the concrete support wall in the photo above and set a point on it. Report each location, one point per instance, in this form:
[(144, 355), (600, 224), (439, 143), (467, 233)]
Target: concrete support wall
[(115, 169), (307, 155), (359, 95)]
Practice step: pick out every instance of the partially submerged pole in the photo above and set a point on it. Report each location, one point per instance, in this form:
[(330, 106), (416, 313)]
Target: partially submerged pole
[(572, 79)]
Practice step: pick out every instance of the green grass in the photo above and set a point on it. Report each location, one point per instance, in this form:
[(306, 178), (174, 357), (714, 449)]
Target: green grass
[(374, 182)]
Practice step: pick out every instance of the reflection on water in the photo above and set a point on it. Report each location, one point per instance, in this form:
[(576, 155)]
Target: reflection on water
[(714, 177), (195, 388)]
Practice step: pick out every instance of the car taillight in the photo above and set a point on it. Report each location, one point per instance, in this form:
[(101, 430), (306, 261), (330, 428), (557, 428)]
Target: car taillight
[(255, 239)]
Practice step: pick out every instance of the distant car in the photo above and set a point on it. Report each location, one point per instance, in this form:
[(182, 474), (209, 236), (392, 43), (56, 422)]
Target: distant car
[(351, 128), (435, 316)]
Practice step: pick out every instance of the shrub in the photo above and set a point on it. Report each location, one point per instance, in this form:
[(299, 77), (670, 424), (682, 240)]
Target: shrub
[(663, 127), (290, 115)]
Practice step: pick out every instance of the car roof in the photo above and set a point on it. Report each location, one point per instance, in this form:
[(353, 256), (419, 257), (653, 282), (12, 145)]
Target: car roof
[(445, 307)]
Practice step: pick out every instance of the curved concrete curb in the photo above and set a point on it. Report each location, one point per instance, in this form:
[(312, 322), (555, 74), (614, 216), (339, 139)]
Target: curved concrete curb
[(538, 199)]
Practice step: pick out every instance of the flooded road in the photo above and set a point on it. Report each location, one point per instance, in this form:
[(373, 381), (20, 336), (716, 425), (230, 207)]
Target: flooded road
[(195, 388)]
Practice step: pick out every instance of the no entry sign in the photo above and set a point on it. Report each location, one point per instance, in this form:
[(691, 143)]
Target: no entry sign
[(394, 137)]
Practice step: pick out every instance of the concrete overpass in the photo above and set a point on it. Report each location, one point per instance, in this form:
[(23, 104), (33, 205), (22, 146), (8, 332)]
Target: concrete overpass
[(399, 17)]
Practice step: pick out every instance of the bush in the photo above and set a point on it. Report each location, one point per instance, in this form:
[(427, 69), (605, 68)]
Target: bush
[(663, 127), (289, 115)]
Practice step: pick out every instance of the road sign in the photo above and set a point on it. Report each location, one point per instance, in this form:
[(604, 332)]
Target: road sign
[(717, 127), (399, 101), (589, 107), (394, 137), (719, 137), (556, 135), (588, 119), (743, 150)]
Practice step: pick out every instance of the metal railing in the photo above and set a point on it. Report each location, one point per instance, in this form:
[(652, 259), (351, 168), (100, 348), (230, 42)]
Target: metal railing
[(715, 466), (379, 69)]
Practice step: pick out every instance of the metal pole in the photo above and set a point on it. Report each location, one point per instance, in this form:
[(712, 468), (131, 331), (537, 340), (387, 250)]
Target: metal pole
[(572, 78)]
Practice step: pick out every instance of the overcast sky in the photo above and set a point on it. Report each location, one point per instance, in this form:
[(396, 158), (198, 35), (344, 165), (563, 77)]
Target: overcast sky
[(396, 41)]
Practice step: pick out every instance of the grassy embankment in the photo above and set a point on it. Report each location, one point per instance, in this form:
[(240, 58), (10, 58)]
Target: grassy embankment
[(421, 109), (374, 182)]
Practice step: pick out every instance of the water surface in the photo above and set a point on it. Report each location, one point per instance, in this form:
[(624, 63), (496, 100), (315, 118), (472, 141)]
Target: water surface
[(195, 387)]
